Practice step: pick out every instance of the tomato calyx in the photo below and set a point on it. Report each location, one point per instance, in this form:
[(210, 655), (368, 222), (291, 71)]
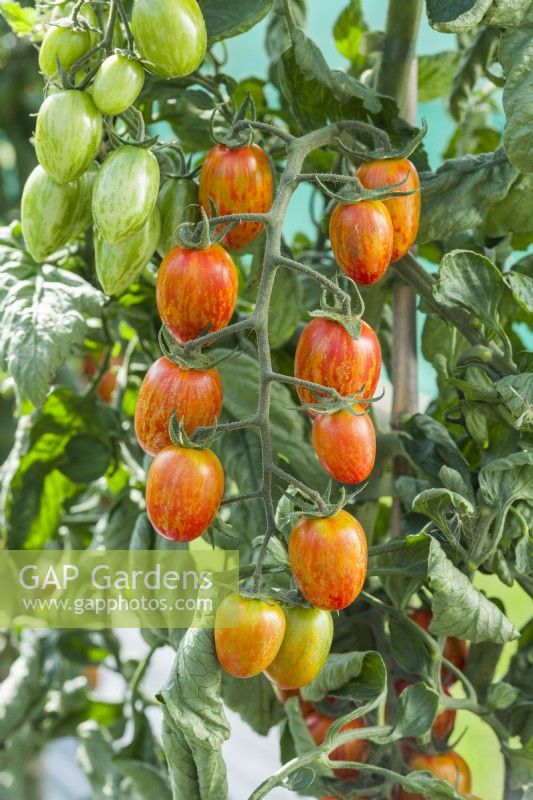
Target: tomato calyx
[(349, 318), (188, 356), (292, 506), (238, 134)]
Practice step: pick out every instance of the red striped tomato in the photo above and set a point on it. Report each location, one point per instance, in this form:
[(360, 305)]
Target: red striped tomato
[(194, 395), (345, 445)]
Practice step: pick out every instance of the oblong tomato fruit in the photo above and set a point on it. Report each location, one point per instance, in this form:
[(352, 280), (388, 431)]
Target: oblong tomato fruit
[(237, 180), (117, 84), (82, 215), (329, 559), (362, 239), (184, 488), (68, 134), (46, 213), (170, 35), (305, 647), (455, 650), (125, 192), (357, 750), (176, 202), (196, 290), (195, 396), (345, 445), (284, 694), (248, 634), (327, 354), (64, 43), (119, 265), (404, 211), (447, 766)]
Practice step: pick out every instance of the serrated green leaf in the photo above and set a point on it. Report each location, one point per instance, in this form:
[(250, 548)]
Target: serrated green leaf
[(516, 55), (254, 700), (415, 712), (362, 677), (348, 31), (147, 780), (459, 195), (501, 695), (435, 74), (448, 510), (470, 281), (516, 391), (505, 13), (20, 19), (522, 289), (196, 725), (514, 212), (475, 59), (43, 315)]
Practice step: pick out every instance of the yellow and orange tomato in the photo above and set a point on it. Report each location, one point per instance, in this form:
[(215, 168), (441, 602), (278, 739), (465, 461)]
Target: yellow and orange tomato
[(196, 291), (362, 240), (404, 211), (184, 489), (448, 766), (326, 354), (329, 559), (248, 634), (237, 180), (305, 647), (345, 444), (195, 396)]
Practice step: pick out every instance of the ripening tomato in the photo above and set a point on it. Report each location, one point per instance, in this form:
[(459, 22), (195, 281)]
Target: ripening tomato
[(305, 648), (108, 382), (327, 354), (117, 84), (125, 192), (361, 239), (404, 211), (194, 395), (237, 180), (170, 35), (196, 290), (248, 634), (447, 766), (329, 559), (357, 750), (345, 445), (177, 202), (119, 265), (455, 650), (46, 212), (68, 134), (184, 488)]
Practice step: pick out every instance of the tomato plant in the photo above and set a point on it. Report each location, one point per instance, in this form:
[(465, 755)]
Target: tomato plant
[(156, 389)]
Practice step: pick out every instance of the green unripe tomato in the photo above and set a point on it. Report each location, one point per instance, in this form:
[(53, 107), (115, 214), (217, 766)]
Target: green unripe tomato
[(68, 134), (119, 265), (125, 192), (46, 213), (62, 43), (176, 199), (117, 84), (170, 35)]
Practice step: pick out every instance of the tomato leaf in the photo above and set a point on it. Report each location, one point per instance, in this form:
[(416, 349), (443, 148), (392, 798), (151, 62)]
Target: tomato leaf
[(254, 700), (362, 677), (435, 75), (416, 710), (225, 18), (195, 723), (522, 289), (470, 281), (286, 307), (475, 59), (422, 783), (448, 510), (516, 52), (410, 650), (455, 16), (95, 754), (21, 20), (459, 194), (44, 312), (147, 780), (348, 31), (459, 609), (505, 13)]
